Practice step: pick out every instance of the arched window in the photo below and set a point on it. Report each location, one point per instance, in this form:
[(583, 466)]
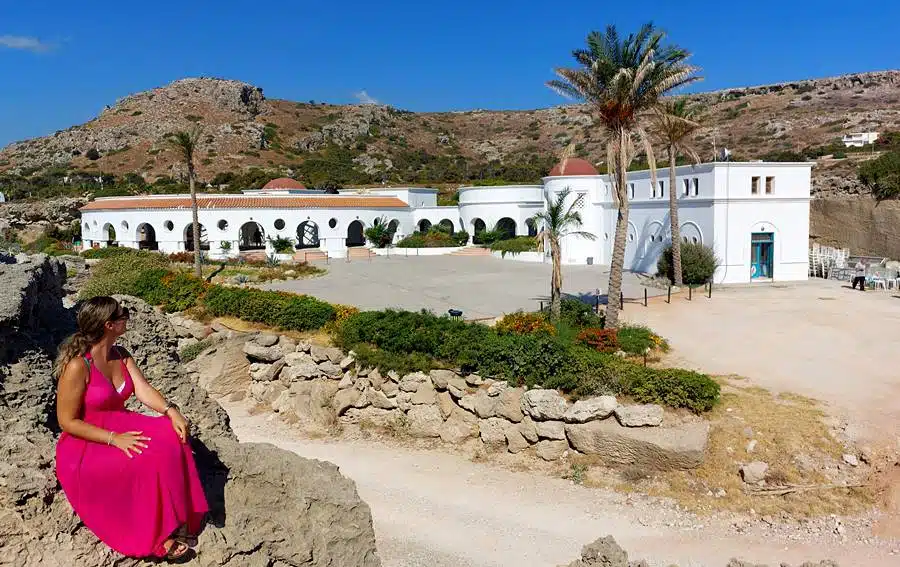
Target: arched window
[(146, 237), (307, 235), (252, 237), (223, 225), (110, 233), (447, 225), (424, 225), (189, 238), (507, 226)]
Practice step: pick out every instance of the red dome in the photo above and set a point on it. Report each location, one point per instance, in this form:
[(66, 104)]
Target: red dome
[(284, 183), (573, 166)]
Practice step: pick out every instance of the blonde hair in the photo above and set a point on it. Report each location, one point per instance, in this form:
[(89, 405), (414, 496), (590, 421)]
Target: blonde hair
[(92, 318)]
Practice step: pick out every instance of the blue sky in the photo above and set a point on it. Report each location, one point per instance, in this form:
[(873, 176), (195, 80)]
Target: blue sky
[(61, 62)]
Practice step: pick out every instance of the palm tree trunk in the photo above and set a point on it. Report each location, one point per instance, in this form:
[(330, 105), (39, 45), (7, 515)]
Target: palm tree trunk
[(195, 225), (555, 280), (673, 217), (617, 262)]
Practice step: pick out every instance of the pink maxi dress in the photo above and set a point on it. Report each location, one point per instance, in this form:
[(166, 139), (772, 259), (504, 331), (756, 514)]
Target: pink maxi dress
[(133, 505)]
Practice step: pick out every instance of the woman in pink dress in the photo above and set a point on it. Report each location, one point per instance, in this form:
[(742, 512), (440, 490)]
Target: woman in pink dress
[(131, 478)]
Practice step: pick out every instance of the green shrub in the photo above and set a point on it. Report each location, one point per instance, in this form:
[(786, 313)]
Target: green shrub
[(434, 238), (380, 235), (514, 245), (578, 314), (601, 340), (882, 175), (108, 252), (133, 273), (282, 244), (674, 387), (182, 291), (489, 237), (521, 323), (274, 308), (698, 263), (403, 363), (191, 352), (635, 339)]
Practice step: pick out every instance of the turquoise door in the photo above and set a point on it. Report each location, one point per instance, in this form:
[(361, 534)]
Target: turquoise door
[(761, 255)]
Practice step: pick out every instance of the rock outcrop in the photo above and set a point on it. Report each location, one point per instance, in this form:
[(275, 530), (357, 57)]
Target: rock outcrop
[(268, 507), (605, 552)]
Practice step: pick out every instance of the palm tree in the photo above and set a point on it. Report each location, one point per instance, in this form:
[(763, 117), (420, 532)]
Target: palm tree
[(676, 123), (622, 80), (185, 143), (556, 222)]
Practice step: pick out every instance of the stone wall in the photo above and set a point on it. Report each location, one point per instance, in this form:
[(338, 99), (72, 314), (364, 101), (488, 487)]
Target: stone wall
[(268, 506), (320, 387)]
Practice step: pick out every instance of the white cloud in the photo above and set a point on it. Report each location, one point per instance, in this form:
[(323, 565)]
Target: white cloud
[(364, 98), (23, 42)]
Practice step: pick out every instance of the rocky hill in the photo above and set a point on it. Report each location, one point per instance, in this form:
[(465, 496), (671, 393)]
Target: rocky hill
[(357, 144)]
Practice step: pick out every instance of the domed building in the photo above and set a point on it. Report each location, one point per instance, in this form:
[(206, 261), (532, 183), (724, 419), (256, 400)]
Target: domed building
[(754, 215)]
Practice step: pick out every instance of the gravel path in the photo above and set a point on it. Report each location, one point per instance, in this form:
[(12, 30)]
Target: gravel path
[(442, 510)]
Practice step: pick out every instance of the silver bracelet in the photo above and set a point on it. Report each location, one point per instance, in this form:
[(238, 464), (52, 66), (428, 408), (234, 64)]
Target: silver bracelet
[(109, 439)]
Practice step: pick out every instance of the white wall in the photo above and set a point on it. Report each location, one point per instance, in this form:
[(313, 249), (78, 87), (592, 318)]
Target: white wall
[(490, 204)]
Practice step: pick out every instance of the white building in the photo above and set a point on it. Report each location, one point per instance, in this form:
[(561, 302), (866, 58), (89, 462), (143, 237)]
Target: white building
[(754, 215), (859, 139)]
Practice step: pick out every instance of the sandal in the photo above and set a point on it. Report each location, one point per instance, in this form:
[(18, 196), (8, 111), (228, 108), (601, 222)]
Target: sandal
[(176, 550)]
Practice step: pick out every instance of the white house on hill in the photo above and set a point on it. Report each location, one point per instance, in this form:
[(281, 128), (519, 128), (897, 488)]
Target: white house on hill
[(754, 215)]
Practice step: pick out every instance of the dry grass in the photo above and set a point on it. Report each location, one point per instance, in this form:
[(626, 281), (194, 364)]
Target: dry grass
[(318, 336), (790, 431)]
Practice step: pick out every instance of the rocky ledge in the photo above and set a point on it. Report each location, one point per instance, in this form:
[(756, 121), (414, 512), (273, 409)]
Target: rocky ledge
[(319, 387), (268, 506)]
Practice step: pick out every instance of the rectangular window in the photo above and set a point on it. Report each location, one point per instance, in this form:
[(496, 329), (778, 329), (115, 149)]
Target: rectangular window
[(662, 189), (695, 186), (687, 187), (770, 185), (631, 191), (754, 185)]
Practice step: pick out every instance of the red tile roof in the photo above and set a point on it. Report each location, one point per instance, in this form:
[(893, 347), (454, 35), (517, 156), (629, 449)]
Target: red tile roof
[(248, 202), (573, 166)]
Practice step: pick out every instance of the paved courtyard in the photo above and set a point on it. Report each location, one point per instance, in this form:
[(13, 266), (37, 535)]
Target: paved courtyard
[(481, 286), (817, 338)]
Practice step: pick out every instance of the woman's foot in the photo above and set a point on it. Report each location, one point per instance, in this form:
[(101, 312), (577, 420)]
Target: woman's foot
[(175, 549)]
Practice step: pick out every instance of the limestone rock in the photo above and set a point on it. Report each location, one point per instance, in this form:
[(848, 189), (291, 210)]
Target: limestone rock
[(283, 403), (515, 442), (185, 342), (425, 421), (544, 405), (379, 400), (404, 401), (376, 416), (265, 339), (457, 387), (483, 406), (509, 404), (389, 388), (330, 369), (266, 392), (554, 430), (425, 394), (590, 409), (298, 359), (411, 382), (445, 403), (346, 381), (303, 346), (754, 472), (474, 380), (461, 425), (493, 430), (322, 354), (851, 460), (223, 371), (345, 399), (551, 450), (647, 415), (267, 372), (305, 371), (393, 376), (346, 362), (680, 447), (604, 552), (496, 388), (528, 430), (375, 378), (261, 353), (440, 378)]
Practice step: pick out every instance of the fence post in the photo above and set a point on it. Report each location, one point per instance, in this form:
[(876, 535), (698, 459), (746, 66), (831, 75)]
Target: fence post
[(596, 304), (645, 297), (690, 292), (622, 301), (710, 290), (542, 306), (669, 295)]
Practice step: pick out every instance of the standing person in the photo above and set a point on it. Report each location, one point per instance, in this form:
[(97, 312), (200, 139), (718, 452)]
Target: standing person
[(129, 477), (860, 276)]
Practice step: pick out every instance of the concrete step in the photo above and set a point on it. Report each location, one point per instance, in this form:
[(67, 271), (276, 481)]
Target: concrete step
[(472, 251), (310, 255)]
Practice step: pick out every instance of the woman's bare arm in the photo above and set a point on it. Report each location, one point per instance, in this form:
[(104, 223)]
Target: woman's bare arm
[(69, 397), (143, 391)]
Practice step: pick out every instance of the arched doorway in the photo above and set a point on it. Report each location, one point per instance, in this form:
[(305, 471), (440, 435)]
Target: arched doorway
[(424, 225), (189, 238), (110, 235), (393, 226), (146, 237), (355, 236), (532, 227), (447, 225), (478, 227), (251, 237), (507, 226), (307, 235)]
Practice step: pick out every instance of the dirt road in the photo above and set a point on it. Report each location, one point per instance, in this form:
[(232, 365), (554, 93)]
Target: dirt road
[(441, 510)]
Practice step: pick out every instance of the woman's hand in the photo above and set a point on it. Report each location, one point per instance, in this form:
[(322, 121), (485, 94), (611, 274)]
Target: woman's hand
[(179, 424), (130, 442)]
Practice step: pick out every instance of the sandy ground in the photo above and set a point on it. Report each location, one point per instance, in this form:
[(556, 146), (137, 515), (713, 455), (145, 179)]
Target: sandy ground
[(437, 509), (817, 338)]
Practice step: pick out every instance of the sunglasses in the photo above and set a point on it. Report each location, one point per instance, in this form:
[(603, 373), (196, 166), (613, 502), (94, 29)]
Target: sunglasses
[(122, 315)]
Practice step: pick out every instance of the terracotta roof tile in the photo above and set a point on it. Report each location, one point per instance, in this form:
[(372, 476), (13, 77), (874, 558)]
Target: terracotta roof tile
[(248, 202)]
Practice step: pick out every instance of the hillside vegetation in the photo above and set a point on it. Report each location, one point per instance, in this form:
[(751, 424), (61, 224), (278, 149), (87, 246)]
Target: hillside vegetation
[(249, 139)]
